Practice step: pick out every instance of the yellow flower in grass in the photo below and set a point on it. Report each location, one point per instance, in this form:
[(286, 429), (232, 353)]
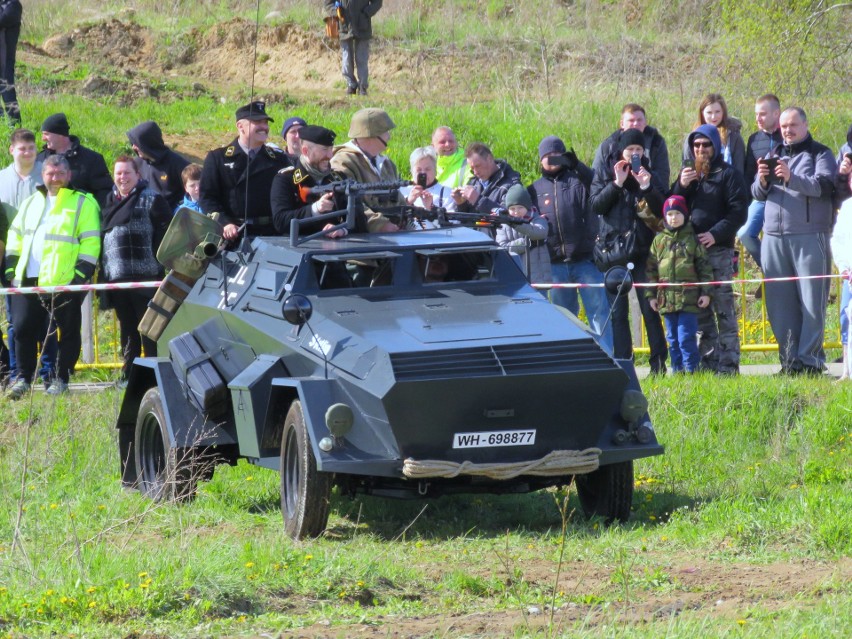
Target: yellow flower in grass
[(249, 564)]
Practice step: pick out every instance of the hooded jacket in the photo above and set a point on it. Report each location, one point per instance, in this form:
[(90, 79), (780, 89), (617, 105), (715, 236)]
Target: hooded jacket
[(804, 204), (160, 166), (736, 149), (719, 200)]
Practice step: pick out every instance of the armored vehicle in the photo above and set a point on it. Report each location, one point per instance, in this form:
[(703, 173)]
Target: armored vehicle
[(410, 364)]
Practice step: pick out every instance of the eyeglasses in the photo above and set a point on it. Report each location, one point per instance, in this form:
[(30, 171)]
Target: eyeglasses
[(702, 145)]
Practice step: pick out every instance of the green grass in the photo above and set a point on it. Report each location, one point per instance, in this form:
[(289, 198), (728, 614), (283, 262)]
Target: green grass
[(756, 473)]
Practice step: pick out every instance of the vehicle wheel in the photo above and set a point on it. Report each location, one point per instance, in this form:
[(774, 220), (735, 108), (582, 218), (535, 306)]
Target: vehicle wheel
[(607, 492), (165, 473), (304, 491)]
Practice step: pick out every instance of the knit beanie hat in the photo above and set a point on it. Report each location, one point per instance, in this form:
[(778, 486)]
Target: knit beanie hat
[(677, 203), (56, 123), (551, 144), (630, 137), (518, 195)]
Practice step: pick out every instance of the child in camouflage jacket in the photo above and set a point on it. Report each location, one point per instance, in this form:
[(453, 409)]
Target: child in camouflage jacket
[(677, 257)]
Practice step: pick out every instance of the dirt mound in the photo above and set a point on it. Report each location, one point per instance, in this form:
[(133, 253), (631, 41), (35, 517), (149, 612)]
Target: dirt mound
[(221, 58)]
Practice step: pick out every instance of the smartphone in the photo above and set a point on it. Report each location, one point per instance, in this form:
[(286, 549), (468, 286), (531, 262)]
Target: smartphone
[(771, 163), (688, 164), (635, 162), (421, 180)]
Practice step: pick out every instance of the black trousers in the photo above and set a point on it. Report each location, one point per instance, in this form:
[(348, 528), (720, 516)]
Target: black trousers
[(30, 313), (622, 340), (130, 305)]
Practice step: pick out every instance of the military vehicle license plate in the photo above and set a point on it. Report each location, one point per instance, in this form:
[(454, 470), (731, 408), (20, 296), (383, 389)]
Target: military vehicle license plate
[(494, 438)]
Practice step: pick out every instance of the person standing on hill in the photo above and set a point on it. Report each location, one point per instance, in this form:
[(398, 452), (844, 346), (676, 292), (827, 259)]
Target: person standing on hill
[(89, 171), (10, 30), (356, 31), (161, 167), (798, 192), (767, 111)]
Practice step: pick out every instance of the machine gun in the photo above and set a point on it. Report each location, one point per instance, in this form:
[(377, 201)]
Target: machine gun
[(354, 192)]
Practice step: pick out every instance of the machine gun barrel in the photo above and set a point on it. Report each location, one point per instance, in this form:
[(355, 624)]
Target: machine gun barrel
[(351, 187)]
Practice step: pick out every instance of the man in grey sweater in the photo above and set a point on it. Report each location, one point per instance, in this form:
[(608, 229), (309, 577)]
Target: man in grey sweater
[(797, 189)]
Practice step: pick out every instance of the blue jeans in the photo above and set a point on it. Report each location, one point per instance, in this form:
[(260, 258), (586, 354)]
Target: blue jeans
[(749, 234), (681, 329), (594, 299)]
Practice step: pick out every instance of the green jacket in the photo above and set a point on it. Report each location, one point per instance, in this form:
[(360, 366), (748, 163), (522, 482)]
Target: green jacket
[(677, 256), (72, 241)]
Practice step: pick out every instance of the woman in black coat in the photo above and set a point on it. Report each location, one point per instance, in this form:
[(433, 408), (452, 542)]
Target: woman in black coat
[(615, 194), (134, 221)]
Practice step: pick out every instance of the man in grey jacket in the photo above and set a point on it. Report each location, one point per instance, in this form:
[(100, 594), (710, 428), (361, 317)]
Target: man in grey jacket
[(798, 190), (356, 30)]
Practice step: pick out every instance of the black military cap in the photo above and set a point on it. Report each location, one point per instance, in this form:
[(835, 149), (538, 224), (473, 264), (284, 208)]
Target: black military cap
[(318, 135), (253, 111)]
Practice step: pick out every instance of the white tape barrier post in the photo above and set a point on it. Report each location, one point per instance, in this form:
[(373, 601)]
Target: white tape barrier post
[(88, 355)]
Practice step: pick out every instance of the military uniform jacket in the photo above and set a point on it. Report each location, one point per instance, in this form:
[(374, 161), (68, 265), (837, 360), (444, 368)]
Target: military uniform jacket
[(678, 256), (291, 200), (224, 178)]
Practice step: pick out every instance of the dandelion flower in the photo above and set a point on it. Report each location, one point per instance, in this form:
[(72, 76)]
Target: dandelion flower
[(249, 564)]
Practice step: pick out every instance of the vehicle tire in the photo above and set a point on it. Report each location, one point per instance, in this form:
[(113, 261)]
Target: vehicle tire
[(305, 492), (607, 492), (165, 473)]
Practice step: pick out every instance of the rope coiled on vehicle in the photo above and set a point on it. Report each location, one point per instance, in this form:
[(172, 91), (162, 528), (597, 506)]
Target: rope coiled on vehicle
[(558, 462)]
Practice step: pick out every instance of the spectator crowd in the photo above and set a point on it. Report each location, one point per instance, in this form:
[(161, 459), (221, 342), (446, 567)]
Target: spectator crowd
[(68, 218)]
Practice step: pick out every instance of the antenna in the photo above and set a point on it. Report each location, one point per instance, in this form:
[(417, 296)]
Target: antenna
[(251, 102), (623, 288)]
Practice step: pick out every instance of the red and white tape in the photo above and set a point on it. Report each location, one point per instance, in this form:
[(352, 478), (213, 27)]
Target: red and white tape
[(688, 284), (76, 288)]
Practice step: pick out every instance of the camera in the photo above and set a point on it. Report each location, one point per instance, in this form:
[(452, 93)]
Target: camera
[(567, 159), (688, 164), (635, 162), (421, 180)]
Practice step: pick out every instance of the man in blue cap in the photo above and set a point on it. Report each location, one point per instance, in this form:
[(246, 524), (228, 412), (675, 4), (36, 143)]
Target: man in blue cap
[(236, 179), (290, 133)]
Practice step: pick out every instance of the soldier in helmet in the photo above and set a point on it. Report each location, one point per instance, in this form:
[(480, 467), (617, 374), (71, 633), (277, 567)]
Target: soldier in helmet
[(236, 179), (291, 198), (362, 159)]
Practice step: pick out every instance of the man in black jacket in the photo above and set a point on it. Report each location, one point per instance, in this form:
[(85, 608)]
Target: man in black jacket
[(562, 197), (236, 179), (718, 199), (89, 171), (160, 167), (10, 30), (291, 198)]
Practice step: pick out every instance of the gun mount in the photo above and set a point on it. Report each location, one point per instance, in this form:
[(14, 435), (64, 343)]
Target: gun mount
[(405, 364)]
